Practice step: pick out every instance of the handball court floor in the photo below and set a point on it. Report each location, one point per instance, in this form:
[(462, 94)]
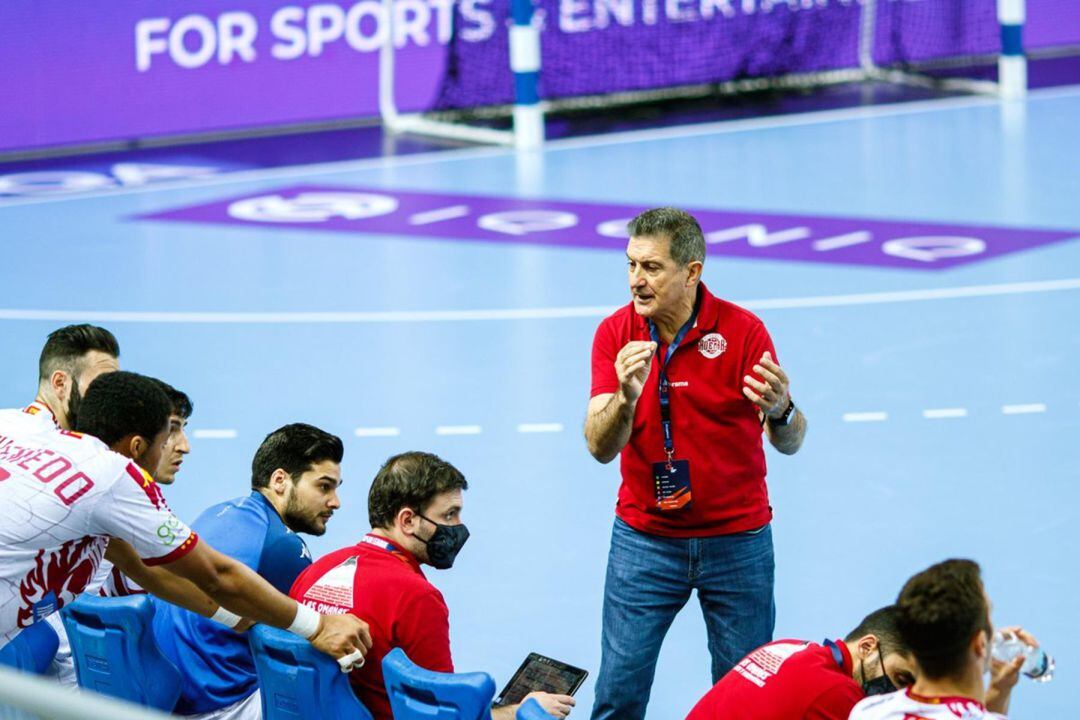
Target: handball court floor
[(479, 351)]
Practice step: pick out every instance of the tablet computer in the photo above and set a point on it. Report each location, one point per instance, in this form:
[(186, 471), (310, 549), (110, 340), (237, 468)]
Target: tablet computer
[(540, 674)]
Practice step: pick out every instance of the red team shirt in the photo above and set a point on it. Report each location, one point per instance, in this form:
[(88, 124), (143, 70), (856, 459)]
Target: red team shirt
[(784, 680), (384, 586), (714, 426)]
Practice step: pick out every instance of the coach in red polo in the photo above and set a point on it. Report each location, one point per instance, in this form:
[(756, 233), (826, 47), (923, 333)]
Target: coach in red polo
[(684, 385)]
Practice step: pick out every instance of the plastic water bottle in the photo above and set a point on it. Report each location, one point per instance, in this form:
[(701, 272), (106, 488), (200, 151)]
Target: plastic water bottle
[(1037, 664)]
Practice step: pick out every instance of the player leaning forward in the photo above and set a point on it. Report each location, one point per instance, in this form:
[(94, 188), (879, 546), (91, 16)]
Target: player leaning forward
[(65, 496), (682, 385)]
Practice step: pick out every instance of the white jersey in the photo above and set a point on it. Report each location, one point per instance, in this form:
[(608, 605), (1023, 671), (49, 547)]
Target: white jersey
[(108, 581), (905, 705), (62, 495)]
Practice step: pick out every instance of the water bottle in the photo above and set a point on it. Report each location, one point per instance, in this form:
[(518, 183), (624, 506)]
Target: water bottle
[(1037, 664)]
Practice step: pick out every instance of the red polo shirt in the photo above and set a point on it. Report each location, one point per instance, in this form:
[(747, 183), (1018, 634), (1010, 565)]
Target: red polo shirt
[(713, 424), (784, 680), (384, 586)]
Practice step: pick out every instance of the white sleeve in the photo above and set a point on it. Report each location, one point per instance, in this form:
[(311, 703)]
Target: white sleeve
[(134, 510)]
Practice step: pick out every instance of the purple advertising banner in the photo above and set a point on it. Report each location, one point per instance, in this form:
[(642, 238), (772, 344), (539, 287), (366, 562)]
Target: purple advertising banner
[(773, 236), (84, 72)]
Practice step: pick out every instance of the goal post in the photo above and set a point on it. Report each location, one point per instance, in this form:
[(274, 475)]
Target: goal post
[(631, 57), (527, 129)]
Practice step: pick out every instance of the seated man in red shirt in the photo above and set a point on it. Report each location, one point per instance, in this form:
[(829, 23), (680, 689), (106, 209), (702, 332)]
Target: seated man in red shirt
[(415, 511), (800, 680)]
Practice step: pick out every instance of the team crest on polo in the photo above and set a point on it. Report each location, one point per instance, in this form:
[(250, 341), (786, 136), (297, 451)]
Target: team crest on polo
[(712, 345)]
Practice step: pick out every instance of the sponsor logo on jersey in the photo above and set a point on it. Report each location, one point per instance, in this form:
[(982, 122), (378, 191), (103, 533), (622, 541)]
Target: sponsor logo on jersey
[(765, 662), (336, 586), (167, 531), (712, 345)]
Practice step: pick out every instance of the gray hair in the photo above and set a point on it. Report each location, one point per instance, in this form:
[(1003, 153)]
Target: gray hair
[(678, 226)]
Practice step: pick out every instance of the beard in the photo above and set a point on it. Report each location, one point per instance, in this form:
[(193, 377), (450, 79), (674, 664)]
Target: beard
[(300, 521), (74, 403)]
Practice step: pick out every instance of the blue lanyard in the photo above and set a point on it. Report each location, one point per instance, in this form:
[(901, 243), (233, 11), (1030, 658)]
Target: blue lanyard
[(662, 384)]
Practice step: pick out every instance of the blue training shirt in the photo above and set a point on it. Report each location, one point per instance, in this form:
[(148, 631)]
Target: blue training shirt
[(215, 663)]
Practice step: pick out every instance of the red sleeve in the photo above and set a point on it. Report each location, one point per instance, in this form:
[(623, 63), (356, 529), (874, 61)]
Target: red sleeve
[(835, 703), (757, 343), (604, 349), (423, 632)]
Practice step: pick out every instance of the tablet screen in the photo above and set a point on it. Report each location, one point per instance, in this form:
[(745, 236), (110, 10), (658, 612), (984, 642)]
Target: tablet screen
[(539, 673)]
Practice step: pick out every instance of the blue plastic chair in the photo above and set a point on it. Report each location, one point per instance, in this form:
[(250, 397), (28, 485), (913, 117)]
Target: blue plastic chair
[(298, 681), (419, 694), (532, 710), (32, 650), (112, 644)]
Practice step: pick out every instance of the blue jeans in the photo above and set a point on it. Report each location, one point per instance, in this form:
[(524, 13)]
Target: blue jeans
[(649, 579)]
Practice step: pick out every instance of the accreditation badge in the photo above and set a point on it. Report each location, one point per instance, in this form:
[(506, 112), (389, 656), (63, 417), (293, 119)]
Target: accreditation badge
[(671, 484)]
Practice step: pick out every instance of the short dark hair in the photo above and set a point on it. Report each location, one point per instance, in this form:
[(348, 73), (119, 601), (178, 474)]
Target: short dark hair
[(181, 403), (882, 624), (294, 448), (678, 226), (119, 404), (410, 480), (940, 610), (65, 348)]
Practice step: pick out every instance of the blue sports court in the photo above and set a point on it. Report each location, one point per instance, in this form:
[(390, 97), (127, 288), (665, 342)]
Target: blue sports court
[(943, 403)]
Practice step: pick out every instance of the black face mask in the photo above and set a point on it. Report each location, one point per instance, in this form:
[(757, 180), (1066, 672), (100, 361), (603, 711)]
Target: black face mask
[(879, 685), (444, 544)]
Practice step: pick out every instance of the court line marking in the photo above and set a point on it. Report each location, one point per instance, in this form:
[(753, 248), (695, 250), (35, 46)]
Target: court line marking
[(440, 215), (365, 432), (942, 413), (556, 313), (540, 428), (719, 127), (458, 430), (554, 427), (875, 416), (215, 434), (1024, 409)]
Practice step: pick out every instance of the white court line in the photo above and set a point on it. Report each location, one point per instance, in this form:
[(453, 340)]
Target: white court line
[(842, 241), (718, 127), (458, 430), (556, 313), (366, 432), (540, 428), (222, 434), (942, 413), (876, 416), (1025, 409), (434, 216)]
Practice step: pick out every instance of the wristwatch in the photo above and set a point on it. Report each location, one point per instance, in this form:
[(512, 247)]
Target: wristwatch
[(785, 419)]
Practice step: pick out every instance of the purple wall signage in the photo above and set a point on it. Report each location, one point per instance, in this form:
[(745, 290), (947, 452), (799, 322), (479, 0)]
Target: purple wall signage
[(774, 236), (74, 72), (78, 72)]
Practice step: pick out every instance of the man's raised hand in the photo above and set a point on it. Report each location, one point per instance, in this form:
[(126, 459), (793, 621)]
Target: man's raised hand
[(632, 366)]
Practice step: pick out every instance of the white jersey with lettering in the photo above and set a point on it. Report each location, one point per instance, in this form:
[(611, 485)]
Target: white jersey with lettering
[(62, 495), (906, 705)]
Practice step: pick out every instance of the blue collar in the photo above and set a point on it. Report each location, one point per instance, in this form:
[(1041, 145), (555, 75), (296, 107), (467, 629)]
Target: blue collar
[(838, 656)]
